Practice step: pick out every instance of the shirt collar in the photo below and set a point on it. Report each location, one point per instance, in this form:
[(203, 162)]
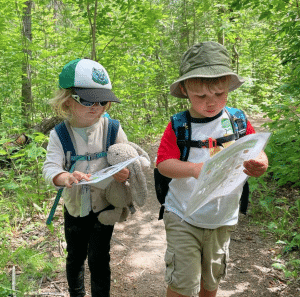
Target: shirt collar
[(206, 120)]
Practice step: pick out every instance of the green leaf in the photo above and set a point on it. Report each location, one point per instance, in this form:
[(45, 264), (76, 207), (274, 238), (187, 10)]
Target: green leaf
[(17, 155), (264, 15), (280, 242), (3, 152), (11, 186), (278, 266)]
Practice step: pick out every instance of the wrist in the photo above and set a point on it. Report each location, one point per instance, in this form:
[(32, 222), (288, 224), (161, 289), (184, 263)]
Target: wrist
[(60, 179), (197, 169)]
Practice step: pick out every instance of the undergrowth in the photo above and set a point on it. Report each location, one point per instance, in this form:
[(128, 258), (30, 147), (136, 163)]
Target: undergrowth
[(24, 239), (277, 210)]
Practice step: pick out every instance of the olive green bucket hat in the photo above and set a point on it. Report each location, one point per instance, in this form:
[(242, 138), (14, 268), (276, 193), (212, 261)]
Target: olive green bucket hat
[(208, 60)]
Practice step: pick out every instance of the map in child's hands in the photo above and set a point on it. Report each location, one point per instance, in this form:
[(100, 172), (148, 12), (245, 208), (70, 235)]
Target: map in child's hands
[(101, 179), (223, 173)]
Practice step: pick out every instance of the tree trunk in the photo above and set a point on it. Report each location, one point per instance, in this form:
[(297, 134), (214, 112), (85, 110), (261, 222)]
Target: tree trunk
[(47, 125), (26, 71), (221, 11), (185, 30), (93, 29), (221, 37), (236, 59)]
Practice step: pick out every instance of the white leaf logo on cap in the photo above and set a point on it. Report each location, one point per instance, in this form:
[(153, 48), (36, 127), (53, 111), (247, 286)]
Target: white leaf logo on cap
[(99, 76)]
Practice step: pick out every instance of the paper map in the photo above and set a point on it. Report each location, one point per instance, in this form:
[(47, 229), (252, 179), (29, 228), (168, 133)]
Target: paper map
[(223, 173), (101, 179)]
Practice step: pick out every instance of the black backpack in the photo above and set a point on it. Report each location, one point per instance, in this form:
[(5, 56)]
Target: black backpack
[(181, 124)]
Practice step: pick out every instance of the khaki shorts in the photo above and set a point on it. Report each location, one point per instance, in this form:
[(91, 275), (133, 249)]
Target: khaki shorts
[(194, 253)]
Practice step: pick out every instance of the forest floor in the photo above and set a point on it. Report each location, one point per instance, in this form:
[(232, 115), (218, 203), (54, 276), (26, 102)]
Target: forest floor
[(138, 248)]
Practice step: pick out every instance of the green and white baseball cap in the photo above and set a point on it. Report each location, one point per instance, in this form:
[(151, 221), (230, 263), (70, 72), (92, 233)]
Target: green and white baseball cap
[(88, 79)]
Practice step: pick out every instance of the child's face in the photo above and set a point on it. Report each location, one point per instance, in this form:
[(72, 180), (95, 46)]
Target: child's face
[(206, 100), (83, 116)]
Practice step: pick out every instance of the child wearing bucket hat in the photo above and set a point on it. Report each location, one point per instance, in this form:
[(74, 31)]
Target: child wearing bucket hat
[(197, 246), (84, 96)]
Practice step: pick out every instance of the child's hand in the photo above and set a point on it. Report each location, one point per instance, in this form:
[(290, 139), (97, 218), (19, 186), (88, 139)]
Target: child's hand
[(257, 166), (67, 179), (122, 175), (197, 169)]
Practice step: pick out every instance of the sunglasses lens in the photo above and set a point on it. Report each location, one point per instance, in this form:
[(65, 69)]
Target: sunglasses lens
[(86, 103)]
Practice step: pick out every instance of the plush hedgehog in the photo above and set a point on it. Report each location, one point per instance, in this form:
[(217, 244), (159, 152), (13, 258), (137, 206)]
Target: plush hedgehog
[(123, 195)]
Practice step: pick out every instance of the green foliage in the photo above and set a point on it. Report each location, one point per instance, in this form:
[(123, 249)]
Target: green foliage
[(284, 147), (280, 215), (33, 266), (5, 291), (140, 43), (22, 197)]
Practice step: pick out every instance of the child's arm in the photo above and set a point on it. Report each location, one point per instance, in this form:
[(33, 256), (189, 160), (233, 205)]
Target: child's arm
[(53, 170), (66, 179), (174, 168), (168, 158), (258, 166)]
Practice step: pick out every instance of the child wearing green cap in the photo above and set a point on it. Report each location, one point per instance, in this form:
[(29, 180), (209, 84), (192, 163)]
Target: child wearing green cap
[(197, 246), (84, 96)]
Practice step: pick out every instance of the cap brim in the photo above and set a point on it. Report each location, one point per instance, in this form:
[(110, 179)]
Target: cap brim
[(96, 95), (207, 72)]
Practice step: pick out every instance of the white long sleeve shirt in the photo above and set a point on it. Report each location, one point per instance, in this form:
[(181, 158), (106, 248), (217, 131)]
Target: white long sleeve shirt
[(93, 143)]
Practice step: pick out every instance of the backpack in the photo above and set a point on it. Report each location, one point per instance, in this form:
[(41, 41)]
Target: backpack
[(181, 124), (66, 138)]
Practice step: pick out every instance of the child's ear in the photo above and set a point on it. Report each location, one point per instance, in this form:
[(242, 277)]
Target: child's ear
[(182, 88)]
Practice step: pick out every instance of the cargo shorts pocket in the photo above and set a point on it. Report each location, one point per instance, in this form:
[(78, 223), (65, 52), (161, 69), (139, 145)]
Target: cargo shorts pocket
[(224, 266), (170, 266)]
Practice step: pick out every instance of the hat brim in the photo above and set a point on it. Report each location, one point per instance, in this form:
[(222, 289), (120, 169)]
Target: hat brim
[(96, 94), (207, 72)]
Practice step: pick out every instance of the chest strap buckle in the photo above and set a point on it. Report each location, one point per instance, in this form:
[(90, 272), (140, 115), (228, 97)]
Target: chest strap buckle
[(212, 143)]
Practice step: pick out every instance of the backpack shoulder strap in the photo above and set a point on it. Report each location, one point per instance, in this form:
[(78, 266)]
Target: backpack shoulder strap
[(112, 132), (181, 124), (65, 137), (238, 121)]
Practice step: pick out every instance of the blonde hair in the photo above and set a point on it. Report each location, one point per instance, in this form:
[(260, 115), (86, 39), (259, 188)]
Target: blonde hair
[(212, 84), (58, 104)]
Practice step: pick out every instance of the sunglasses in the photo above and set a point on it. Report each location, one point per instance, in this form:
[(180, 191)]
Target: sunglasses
[(88, 103)]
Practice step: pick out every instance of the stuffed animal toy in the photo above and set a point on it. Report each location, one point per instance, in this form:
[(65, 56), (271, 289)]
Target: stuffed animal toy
[(123, 195)]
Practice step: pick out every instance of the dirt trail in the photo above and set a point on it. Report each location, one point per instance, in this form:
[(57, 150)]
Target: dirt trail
[(138, 247)]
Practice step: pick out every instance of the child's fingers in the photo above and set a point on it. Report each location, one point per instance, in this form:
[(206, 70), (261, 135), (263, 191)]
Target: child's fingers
[(68, 185), (255, 165), (122, 175), (254, 169), (75, 177), (71, 180), (253, 173), (80, 175)]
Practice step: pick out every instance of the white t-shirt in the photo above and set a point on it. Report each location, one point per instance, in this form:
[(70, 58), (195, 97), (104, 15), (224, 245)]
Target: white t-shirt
[(223, 210)]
